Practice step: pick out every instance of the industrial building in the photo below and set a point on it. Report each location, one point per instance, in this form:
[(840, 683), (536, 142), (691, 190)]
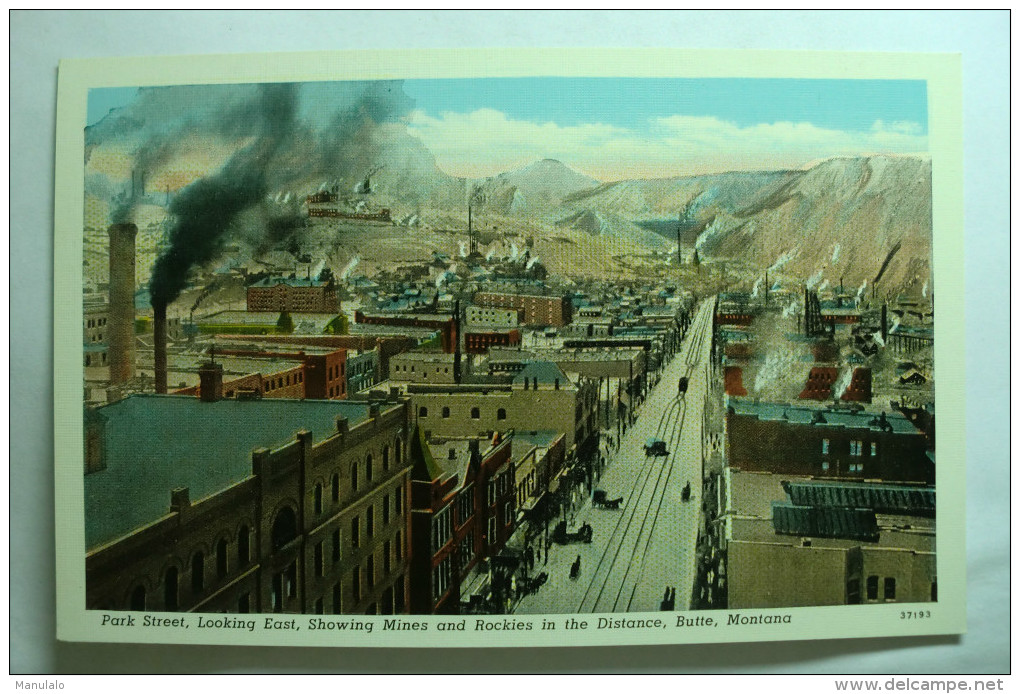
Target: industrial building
[(554, 311), (293, 294)]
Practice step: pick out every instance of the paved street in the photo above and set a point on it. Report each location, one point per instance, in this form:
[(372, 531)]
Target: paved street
[(648, 544)]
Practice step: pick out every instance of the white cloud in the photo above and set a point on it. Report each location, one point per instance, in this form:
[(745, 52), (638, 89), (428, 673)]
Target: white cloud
[(486, 142)]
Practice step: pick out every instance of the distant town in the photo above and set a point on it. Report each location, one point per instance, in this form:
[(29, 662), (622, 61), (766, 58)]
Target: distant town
[(471, 433)]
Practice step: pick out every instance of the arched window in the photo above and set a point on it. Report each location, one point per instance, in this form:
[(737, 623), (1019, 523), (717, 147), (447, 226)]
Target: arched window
[(354, 477), (368, 468), (501, 413), (423, 412), (446, 413), (386, 458), (335, 484), (243, 546), (138, 599), (284, 528), (221, 558), (197, 572), (475, 414), (400, 452), (317, 497), (170, 601)]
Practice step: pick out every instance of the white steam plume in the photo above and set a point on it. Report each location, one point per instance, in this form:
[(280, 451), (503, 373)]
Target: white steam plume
[(842, 382), (835, 253), (349, 268)]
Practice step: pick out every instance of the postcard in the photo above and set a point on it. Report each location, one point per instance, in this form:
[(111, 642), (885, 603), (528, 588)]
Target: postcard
[(509, 348)]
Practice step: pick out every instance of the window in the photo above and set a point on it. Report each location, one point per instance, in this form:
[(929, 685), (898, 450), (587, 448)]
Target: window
[(243, 548), (441, 529), (291, 580), (338, 591), (475, 414), (386, 458), (197, 572), (491, 540), (370, 520), (465, 505), (825, 466), (387, 564), (857, 467), (137, 599), (872, 587), (221, 558), (317, 494), (318, 606), (446, 413), (398, 498), (890, 588), (320, 568), (399, 450), (355, 532), (440, 579), (856, 447), (368, 468), (370, 570), (423, 412), (508, 513), (334, 484), (356, 583), (501, 413), (452, 454), (853, 591), (354, 477), (825, 446), (170, 592), (874, 448), (398, 546), (385, 509), (491, 489)]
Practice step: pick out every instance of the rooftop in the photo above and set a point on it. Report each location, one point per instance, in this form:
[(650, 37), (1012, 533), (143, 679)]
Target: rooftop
[(545, 371), (819, 416), (156, 443), (289, 281)]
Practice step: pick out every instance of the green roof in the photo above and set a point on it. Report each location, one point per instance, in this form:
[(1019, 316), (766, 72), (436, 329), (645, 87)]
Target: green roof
[(881, 498), (840, 523), (156, 443)]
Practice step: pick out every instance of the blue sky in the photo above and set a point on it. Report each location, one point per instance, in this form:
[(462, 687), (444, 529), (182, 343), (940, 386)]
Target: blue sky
[(631, 103), (614, 128)]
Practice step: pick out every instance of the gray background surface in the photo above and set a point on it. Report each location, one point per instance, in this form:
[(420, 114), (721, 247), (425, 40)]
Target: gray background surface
[(40, 39)]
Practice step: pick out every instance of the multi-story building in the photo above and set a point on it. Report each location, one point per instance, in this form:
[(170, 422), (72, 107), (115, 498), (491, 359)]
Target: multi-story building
[(489, 317), (476, 342), (216, 505), (552, 311), (539, 396), (312, 373), (787, 541), (445, 324), (423, 367), (462, 512), (362, 370), (826, 442), (291, 294)]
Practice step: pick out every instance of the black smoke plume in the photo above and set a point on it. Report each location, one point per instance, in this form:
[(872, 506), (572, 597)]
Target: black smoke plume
[(204, 210)]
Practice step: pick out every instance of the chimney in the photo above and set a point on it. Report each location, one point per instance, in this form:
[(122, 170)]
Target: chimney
[(159, 344), (210, 377), (121, 336), (456, 337)]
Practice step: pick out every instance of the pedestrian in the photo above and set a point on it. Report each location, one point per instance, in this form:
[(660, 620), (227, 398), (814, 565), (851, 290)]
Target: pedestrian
[(531, 558), (665, 597), (672, 599)]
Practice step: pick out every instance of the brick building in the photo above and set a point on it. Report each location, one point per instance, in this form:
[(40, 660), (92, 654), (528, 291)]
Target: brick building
[(826, 442), (462, 512), (215, 505), (552, 311), (290, 294), (309, 373), (446, 324)]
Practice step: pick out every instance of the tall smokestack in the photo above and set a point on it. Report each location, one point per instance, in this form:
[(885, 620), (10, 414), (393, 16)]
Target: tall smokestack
[(122, 302), (456, 350), (159, 344)]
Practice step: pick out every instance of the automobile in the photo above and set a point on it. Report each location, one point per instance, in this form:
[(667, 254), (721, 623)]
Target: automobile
[(655, 447)]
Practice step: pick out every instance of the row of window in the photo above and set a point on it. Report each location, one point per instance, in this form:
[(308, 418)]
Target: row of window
[(197, 569), (476, 413), (857, 447), (96, 322), (368, 468), (872, 584), (392, 551), (283, 381), (398, 509)]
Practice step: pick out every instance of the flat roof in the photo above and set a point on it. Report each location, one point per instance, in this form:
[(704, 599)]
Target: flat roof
[(799, 414), (156, 443)]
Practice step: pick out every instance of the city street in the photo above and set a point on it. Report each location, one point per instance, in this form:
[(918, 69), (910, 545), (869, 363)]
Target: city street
[(648, 544)]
